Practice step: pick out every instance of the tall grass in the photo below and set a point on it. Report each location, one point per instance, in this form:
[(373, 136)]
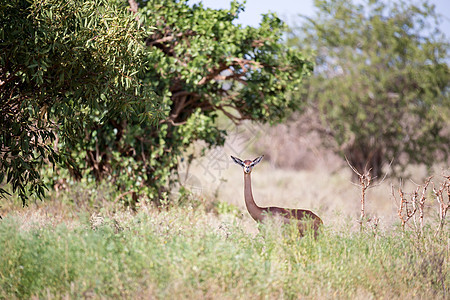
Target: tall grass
[(189, 253)]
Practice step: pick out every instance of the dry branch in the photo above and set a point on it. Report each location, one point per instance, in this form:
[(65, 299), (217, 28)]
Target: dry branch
[(421, 201), (365, 180), (406, 209), (444, 206), (133, 6)]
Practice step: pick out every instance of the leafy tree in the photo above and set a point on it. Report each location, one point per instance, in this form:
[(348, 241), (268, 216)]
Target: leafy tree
[(63, 64), (381, 86), (203, 66)]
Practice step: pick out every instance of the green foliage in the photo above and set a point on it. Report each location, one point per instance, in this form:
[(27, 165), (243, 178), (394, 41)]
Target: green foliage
[(382, 80), (203, 66), (227, 208), (180, 254), (63, 64)]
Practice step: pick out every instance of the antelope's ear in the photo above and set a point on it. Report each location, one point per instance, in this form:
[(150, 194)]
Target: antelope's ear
[(237, 161), (256, 160)]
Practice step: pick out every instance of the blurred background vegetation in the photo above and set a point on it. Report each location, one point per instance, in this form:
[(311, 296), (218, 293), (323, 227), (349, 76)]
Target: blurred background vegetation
[(131, 92)]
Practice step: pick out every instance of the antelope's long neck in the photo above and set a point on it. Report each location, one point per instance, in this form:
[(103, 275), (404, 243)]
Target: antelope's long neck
[(254, 210)]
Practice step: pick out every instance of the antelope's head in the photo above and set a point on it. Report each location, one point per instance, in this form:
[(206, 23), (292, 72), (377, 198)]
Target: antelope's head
[(247, 165)]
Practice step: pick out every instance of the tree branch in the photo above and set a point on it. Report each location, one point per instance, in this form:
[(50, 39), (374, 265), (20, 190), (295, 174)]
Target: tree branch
[(133, 7)]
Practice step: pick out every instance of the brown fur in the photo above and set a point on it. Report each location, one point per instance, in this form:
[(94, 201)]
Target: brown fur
[(306, 218)]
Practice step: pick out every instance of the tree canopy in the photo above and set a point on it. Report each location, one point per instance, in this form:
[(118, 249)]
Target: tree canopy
[(202, 65), (63, 64), (92, 74), (381, 85)]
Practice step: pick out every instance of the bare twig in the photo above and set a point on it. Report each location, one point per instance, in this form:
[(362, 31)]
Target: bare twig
[(122, 195), (134, 8), (405, 209), (444, 206), (384, 177), (364, 183), (421, 202)]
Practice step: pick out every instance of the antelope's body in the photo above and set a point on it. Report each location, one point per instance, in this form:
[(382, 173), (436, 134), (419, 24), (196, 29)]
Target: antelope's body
[(306, 219)]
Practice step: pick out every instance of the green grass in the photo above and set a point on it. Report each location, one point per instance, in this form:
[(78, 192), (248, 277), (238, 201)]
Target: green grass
[(189, 253)]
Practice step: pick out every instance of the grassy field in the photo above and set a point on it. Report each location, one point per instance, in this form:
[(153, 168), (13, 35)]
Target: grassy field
[(80, 243), (56, 250)]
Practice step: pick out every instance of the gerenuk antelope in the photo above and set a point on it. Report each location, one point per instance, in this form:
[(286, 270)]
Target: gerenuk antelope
[(305, 219)]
